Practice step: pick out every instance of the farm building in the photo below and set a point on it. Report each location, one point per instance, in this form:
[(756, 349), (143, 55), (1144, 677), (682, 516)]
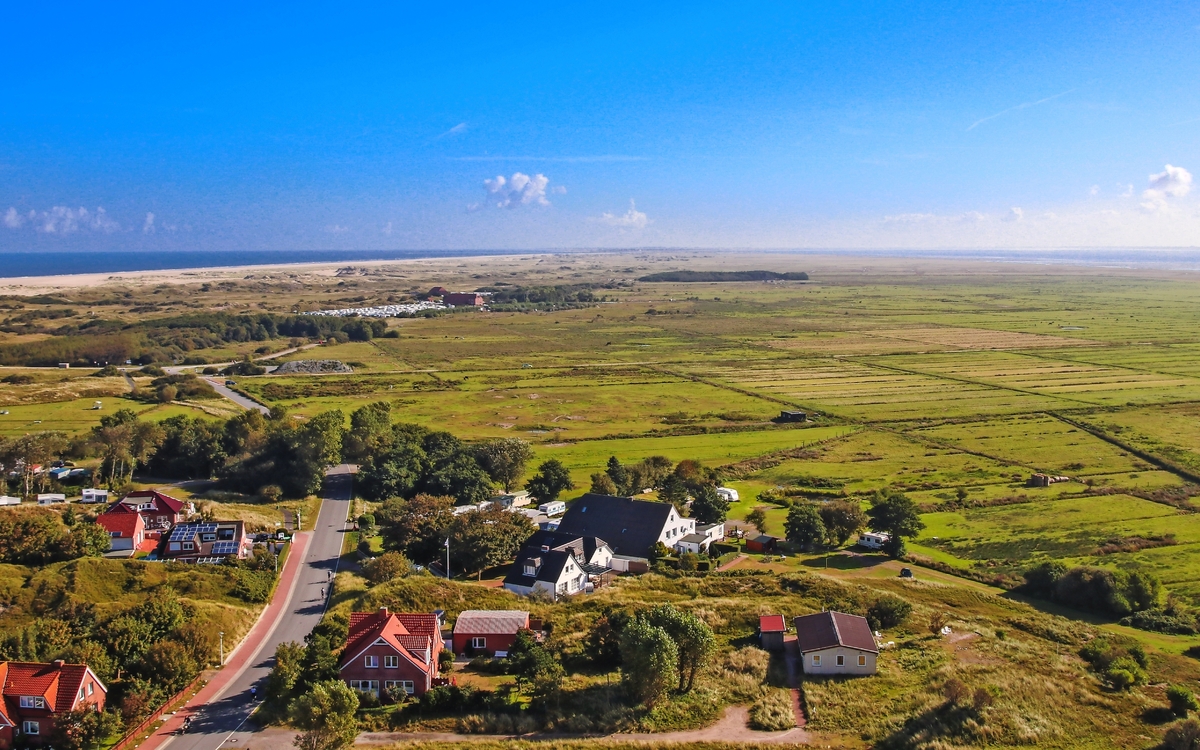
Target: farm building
[(771, 632), (792, 416), (493, 631), (836, 643), (459, 299), (762, 543)]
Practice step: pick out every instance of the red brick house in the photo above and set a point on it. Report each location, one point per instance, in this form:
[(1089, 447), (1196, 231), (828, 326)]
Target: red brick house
[(33, 694), (126, 531), (158, 511), (387, 649), (492, 631)]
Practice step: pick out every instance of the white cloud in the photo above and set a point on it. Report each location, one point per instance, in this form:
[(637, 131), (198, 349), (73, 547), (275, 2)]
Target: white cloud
[(1016, 213), (559, 189), (462, 127), (909, 218), (336, 228), (61, 220), (631, 219), (148, 225), (1172, 182), (12, 219), (1094, 190), (387, 229), (520, 190), (1128, 191)]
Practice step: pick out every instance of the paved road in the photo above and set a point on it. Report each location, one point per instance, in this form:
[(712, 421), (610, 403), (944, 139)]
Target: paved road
[(220, 724), (218, 385)]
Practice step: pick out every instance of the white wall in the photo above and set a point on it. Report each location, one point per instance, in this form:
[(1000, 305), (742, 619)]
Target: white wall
[(829, 665)]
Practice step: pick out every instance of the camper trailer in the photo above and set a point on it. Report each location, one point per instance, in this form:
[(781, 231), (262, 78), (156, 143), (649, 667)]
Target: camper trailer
[(873, 540), (727, 494), (554, 508), (51, 498)]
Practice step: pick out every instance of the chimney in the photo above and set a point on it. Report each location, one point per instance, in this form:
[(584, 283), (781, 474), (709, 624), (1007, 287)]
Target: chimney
[(383, 612), (59, 663), (545, 548)]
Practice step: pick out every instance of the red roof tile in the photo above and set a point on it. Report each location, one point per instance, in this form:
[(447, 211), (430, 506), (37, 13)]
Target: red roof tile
[(127, 524), (165, 501), (57, 683), (369, 627)]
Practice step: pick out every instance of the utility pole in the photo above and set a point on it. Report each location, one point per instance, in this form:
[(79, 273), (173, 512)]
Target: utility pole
[(447, 558), (222, 634)]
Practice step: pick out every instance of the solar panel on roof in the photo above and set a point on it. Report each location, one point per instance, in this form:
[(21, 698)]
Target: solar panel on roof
[(224, 548)]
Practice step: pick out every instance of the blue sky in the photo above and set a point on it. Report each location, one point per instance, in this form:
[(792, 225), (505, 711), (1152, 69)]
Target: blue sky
[(692, 124)]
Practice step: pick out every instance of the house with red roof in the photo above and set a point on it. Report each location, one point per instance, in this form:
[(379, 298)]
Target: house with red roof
[(391, 650), (33, 694), (158, 511), (126, 531), (771, 631), (836, 643)]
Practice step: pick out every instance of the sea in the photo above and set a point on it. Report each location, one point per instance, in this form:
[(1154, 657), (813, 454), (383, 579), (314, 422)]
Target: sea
[(17, 264)]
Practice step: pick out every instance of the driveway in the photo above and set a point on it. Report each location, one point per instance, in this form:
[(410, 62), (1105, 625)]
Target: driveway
[(220, 713), (219, 386)]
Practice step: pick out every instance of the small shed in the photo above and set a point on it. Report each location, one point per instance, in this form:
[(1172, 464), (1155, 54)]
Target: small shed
[(93, 495), (762, 543), (771, 631), (51, 498), (792, 416)]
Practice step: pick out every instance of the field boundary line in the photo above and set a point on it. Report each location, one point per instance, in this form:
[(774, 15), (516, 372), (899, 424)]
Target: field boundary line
[(1162, 463), (743, 391)]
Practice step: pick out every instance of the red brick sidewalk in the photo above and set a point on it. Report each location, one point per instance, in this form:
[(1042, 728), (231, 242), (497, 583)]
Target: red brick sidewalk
[(241, 654)]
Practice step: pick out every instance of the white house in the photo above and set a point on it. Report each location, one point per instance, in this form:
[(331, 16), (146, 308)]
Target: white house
[(873, 539), (93, 495), (51, 498), (558, 565), (836, 643), (631, 527), (728, 494), (702, 539)]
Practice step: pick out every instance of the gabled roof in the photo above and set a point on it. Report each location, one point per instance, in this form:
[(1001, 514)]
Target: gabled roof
[(161, 501), (57, 682), (491, 622), (549, 567), (631, 527), (126, 524), (829, 629), (369, 628), (772, 624)]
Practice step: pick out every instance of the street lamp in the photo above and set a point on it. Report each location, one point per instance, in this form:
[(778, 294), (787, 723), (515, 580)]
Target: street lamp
[(222, 634), (447, 558)]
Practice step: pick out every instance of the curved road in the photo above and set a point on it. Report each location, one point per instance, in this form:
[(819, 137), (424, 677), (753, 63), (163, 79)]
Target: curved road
[(221, 723)]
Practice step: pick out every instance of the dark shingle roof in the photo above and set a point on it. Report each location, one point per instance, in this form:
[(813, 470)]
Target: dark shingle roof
[(631, 527), (552, 563), (829, 629)]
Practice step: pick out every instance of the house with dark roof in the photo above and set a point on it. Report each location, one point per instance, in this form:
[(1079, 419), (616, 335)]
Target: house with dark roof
[(836, 643), (490, 631), (391, 650), (206, 542), (630, 527), (556, 564), (35, 693), (158, 511)]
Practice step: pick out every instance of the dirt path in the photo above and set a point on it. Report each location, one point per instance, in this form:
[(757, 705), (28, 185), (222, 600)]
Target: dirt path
[(733, 726), (735, 561)]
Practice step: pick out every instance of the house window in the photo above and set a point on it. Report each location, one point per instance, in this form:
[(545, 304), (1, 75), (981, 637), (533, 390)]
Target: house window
[(33, 701), (365, 686), (31, 727), (91, 688), (862, 660), (406, 685), (81, 694), (391, 662), (371, 662), (841, 660), (187, 545), (114, 533), (479, 642), (816, 660)]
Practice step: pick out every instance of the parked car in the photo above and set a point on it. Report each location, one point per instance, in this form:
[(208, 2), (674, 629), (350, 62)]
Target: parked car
[(906, 573), (230, 382)]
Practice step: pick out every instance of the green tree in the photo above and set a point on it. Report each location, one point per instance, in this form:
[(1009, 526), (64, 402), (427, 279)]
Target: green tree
[(650, 662), (395, 474), (162, 611), (804, 526), (170, 665), (127, 637), (603, 643), (480, 539), (757, 518), (843, 519), (619, 476), (286, 673), (319, 663), (459, 476), (326, 716), (370, 432), (673, 490), (419, 529), (602, 484), (693, 639), (504, 459), (550, 481), (83, 728), (896, 515), (708, 506), (1182, 701), (386, 567)]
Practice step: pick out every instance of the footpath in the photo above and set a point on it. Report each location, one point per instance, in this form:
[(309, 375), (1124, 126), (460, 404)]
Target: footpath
[(241, 655)]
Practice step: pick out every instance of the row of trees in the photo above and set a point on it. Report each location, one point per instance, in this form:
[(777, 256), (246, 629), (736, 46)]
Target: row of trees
[(1106, 590), (675, 483)]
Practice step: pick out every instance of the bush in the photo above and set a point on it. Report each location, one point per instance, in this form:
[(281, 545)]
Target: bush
[(1182, 701), (1183, 735), (386, 567), (888, 612)]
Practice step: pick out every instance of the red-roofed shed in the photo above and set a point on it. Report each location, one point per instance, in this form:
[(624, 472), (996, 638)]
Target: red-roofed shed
[(771, 630)]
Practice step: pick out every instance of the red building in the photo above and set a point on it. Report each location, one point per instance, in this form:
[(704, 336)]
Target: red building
[(126, 531), (35, 693), (463, 298), (478, 630), (389, 650), (158, 511)]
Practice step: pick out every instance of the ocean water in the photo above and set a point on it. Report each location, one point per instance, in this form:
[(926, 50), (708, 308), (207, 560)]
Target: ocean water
[(16, 264)]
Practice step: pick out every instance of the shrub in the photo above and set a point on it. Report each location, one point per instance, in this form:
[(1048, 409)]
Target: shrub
[(888, 612), (1183, 735), (386, 567), (981, 699), (955, 691), (1182, 701)]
